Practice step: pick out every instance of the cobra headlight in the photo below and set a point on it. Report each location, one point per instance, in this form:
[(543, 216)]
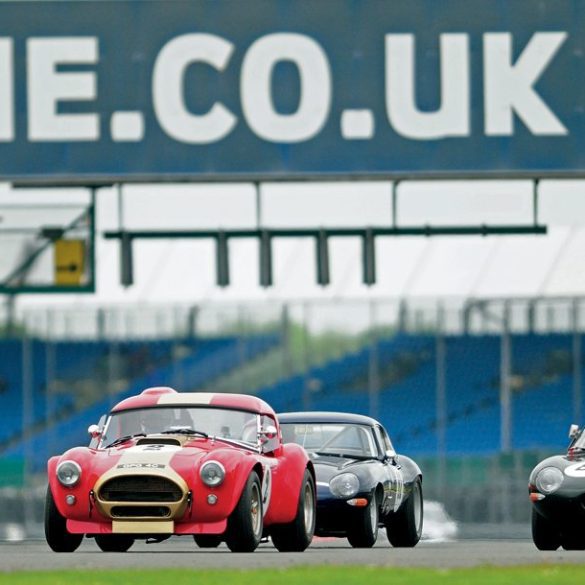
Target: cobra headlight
[(68, 473), (344, 485), (549, 480), (212, 473)]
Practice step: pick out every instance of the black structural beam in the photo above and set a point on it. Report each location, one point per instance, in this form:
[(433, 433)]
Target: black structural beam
[(321, 235), (426, 230)]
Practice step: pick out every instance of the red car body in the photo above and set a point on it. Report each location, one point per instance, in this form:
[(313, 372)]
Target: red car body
[(151, 486)]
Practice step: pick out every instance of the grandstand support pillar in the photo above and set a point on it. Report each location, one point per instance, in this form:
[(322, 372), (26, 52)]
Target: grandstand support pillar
[(505, 389), (373, 365), (441, 400), (577, 366)]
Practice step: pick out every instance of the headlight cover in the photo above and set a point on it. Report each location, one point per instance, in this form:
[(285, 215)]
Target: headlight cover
[(549, 480), (212, 473), (344, 485), (68, 473)]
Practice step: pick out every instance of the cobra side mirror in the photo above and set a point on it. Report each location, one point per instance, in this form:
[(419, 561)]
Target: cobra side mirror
[(95, 432), (268, 433), (265, 435), (573, 431), (390, 455)]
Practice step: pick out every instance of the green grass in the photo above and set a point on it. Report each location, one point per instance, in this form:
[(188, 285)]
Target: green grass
[(533, 575)]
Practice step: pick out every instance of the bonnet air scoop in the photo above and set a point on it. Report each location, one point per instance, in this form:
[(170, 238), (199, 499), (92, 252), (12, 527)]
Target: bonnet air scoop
[(158, 441)]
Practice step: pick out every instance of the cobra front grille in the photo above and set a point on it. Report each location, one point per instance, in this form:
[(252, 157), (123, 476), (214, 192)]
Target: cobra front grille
[(140, 512), (140, 488)]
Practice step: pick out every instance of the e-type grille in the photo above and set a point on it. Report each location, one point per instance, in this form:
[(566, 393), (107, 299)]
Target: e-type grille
[(140, 512), (140, 488)]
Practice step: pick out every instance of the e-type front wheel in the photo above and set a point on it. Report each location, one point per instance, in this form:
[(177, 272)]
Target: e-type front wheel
[(245, 524), (364, 531), (56, 528), (404, 527), (545, 535), (298, 534)]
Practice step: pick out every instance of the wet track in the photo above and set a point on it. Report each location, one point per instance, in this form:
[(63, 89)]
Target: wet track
[(182, 552)]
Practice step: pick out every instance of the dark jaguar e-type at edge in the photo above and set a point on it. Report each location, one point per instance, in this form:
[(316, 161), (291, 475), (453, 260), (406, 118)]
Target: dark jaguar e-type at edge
[(362, 483), (557, 491)]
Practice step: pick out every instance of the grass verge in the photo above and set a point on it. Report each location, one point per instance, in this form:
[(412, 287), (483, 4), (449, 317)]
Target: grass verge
[(532, 575)]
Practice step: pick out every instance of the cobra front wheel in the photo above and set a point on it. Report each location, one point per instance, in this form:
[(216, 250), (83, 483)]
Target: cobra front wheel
[(245, 524), (114, 542), (58, 538), (207, 540)]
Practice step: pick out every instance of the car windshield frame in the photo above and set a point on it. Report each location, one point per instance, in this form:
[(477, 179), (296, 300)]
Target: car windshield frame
[(332, 444), (233, 425), (579, 442)]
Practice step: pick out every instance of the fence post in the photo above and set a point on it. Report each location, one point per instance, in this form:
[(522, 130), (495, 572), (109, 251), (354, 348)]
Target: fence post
[(373, 373), (505, 390), (27, 423), (307, 357), (577, 366), (285, 334), (441, 399)]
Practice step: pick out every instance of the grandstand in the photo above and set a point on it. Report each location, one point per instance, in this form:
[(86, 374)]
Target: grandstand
[(392, 372), (57, 413)]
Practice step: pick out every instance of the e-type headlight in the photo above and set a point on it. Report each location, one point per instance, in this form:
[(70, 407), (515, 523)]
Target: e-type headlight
[(68, 473), (212, 473), (344, 485), (549, 480)]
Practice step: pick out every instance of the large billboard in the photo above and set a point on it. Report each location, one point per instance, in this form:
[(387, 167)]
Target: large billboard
[(98, 91)]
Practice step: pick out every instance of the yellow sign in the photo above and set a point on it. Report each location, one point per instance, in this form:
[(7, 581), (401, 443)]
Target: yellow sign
[(69, 262)]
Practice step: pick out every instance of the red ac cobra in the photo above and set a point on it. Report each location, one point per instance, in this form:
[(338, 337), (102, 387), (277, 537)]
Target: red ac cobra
[(168, 463)]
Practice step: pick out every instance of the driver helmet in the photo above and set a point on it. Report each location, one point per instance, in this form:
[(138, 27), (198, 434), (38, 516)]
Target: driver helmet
[(155, 420)]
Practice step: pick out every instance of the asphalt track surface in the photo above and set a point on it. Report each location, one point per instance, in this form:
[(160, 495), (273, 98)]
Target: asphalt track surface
[(182, 552)]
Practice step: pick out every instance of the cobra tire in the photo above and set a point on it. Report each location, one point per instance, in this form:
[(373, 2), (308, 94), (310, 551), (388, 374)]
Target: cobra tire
[(245, 525), (298, 534), (545, 534), (364, 531), (207, 540), (114, 542), (573, 541), (404, 527), (56, 528)]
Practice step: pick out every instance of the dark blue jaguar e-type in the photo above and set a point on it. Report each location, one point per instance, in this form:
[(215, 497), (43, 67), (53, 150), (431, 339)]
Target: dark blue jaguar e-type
[(362, 483)]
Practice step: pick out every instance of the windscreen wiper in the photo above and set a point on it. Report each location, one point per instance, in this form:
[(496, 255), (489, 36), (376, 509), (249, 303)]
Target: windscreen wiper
[(184, 431), (343, 455), (124, 439), (238, 442)]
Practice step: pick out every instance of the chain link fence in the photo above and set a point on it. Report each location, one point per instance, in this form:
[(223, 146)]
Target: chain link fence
[(454, 382)]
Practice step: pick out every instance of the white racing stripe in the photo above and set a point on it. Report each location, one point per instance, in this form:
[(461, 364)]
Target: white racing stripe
[(187, 398)]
